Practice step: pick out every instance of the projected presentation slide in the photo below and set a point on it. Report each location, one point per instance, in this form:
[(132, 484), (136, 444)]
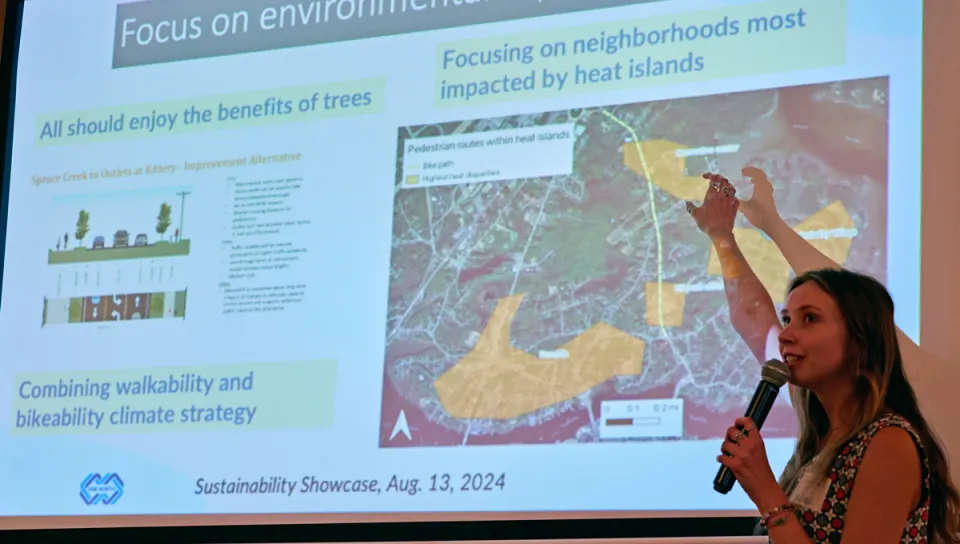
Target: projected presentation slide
[(422, 256)]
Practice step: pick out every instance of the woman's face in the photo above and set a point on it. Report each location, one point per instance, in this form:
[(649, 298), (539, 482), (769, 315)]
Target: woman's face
[(814, 337)]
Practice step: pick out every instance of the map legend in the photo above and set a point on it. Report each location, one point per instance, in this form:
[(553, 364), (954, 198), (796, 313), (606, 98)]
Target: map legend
[(632, 419), (497, 155)]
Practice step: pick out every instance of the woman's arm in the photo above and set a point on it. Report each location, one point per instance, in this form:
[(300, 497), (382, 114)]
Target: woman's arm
[(887, 490), (752, 312), (751, 309), (785, 528), (799, 253), (761, 210)]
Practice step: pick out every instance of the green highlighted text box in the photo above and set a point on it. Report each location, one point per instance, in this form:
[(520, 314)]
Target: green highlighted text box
[(607, 57), (239, 110), (246, 396)]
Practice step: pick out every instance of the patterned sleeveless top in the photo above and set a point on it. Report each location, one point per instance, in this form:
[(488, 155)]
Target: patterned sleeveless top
[(824, 521)]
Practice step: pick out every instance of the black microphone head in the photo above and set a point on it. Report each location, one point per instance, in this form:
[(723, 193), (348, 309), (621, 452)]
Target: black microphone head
[(775, 372)]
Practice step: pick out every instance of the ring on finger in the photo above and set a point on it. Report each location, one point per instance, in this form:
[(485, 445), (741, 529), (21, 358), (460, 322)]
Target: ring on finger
[(737, 437), (714, 185)]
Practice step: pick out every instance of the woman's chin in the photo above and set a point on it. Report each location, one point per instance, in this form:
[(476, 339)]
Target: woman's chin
[(797, 379)]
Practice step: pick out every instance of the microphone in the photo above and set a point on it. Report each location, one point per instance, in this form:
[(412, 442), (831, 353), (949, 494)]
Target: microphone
[(772, 376)]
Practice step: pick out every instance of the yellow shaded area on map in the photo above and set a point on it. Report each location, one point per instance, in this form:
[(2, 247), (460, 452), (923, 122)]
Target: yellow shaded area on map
[(657, 161), (497, 381), (769, 264), (673, 302)]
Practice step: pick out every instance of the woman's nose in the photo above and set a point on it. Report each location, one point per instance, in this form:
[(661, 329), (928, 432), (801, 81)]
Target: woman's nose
[(786, 336)]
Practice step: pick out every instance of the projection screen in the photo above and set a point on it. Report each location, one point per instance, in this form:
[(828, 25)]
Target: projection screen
[(348, 260)]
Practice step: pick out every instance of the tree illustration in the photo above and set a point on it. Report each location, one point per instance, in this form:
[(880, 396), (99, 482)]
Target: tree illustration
[(83, 226), (164, 219)]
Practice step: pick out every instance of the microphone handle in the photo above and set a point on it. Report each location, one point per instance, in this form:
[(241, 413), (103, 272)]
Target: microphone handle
[(760, 405)]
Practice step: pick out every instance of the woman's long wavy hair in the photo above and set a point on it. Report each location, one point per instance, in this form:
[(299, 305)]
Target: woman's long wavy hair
[(874, 354)]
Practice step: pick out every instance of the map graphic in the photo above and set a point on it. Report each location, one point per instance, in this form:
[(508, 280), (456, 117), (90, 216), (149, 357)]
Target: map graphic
[(546, 294)]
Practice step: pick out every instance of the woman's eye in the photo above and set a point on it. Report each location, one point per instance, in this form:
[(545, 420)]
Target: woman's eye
[(809, 318), (785, 320)]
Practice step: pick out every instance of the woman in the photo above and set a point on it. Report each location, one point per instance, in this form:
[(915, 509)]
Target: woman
[(860, 425)]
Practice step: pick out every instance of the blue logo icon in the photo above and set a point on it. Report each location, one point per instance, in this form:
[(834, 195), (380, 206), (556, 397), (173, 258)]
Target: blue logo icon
[(104, 489)]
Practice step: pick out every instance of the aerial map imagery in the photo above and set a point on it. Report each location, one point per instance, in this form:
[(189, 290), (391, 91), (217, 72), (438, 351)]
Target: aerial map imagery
[(546, 284)]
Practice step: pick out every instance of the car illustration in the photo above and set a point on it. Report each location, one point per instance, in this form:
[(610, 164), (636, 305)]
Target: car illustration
[(141, 240), (121, 239), (98, 242)]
